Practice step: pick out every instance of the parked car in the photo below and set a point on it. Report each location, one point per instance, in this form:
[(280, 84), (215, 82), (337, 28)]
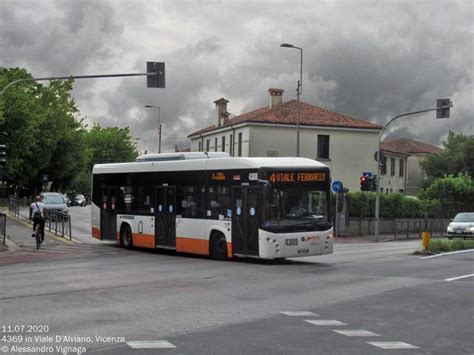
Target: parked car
[(54, 202), (79, 200), (68, 200), (462, 226)]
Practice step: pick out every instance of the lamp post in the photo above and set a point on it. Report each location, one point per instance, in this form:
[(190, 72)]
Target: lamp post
[(299, 91), (159, 126)]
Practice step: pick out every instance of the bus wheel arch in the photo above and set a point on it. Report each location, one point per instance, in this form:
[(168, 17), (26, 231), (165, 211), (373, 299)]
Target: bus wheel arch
[(218, 246), (126, 239)]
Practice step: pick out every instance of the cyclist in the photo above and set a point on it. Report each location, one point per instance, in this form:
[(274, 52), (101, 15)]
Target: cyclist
[(37, 213)]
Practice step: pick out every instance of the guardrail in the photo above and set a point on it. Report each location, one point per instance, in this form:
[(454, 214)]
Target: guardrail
[(60, 223), (3, 225)]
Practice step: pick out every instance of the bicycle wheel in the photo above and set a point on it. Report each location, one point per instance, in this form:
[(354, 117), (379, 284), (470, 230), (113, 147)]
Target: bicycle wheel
[(38, 236)]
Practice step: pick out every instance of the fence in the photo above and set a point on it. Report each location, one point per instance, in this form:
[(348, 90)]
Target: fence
[(3, 225), (14, 206), (405, 227), (398, 227), (59, 223)]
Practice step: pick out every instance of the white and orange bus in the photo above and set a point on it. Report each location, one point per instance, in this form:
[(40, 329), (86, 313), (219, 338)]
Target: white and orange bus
[(215, 205)]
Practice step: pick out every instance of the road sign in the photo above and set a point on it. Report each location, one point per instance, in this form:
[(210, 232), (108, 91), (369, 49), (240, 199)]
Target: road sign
[(336, 186)]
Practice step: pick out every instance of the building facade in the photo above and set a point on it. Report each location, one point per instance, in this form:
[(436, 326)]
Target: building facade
[(346, 144), (401, 170)]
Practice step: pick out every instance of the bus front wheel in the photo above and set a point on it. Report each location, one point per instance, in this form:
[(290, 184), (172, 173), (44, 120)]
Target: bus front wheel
[(126, 237), (219, 247)]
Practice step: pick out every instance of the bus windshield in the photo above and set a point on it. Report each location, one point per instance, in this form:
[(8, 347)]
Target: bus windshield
[(295, 209)]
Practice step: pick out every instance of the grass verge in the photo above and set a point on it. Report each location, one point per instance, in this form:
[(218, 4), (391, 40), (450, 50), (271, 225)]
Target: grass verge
[(440, 245)]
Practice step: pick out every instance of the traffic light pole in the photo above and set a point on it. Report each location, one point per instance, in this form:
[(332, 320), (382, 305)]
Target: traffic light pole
[(446, 105), (76, 77)]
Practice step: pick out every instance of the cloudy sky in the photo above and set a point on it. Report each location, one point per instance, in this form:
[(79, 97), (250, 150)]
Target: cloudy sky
[(368, 59)]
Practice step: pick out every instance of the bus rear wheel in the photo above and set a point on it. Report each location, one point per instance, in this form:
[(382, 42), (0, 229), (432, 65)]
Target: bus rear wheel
[(126, 237), (218, 247)]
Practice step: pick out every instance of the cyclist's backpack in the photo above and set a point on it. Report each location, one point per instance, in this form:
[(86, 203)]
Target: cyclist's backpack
[(37, 214)]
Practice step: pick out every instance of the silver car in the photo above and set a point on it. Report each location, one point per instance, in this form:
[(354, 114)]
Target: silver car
[(54, 202), (462, 226)]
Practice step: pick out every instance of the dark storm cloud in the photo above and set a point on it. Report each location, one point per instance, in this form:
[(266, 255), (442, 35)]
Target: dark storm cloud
[(367, 59)]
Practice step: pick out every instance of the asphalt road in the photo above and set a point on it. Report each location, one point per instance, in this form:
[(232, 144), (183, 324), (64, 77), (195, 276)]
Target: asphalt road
[(362, 298)]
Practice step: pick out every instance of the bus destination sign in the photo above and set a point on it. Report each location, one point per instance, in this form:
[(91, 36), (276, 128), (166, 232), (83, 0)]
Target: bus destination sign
[(289, 177)]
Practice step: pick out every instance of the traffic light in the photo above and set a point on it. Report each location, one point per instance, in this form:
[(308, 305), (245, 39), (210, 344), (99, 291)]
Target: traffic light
[(364, 183), (373, 183), (155, 81), (3, 155), (442, 108)]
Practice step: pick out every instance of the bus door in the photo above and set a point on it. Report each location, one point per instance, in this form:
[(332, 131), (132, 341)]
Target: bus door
[(108, 213), (165, 216), (245, 220)]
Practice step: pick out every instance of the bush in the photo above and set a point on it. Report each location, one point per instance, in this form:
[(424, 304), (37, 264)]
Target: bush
[(395, 205), (453, 194), (441, 244)]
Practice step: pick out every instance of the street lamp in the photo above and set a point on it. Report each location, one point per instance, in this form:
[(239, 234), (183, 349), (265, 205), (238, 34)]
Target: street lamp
[(159, 126), (299, 91)]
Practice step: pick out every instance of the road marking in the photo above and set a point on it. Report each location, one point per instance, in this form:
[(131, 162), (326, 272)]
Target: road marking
[(150, 344), (356, 333), (324, 322), (459, 277), (450, 253), (299, 314), (392, 345)]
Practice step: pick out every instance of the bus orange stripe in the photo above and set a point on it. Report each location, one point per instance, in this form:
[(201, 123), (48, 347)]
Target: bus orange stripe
[(191, 245), (96, 233), (143, 240)]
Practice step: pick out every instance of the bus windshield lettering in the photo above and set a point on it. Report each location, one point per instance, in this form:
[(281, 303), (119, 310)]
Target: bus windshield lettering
[(289, 177)]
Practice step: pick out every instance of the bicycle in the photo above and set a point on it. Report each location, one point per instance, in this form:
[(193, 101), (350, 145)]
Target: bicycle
[(38, 235)]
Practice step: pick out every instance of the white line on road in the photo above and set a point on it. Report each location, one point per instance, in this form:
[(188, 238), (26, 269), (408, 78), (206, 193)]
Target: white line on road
[(450, 253), (357, 333), (392, 345), (300, 314), (151, 344), (459, 277), (324, 322)]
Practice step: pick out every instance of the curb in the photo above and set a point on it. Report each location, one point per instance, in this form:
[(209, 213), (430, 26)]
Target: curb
[(46, 232)]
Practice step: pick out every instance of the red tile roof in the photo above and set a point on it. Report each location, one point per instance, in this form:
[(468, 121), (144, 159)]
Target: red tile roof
[(408, 146), (285, 113)]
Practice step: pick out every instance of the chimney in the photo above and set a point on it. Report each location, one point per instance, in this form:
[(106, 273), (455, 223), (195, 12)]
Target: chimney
[(221, 111), (276, 96)]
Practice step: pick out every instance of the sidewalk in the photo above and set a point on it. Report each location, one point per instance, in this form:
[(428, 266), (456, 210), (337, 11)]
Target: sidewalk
[(19, 235)]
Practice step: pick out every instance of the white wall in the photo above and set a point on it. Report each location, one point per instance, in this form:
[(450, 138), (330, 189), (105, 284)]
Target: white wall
[(396, 182), (227, 133), (351, 152), (416, 175)]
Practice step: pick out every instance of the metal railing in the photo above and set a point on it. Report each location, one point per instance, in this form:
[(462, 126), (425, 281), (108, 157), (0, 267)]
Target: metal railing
[(3, 226), (59, 223), (415, 226), (14, 206)]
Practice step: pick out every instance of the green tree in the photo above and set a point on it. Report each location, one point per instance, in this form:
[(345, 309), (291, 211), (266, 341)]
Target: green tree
[(44, 137), (453, 194), (109, 145), (457, 157)]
